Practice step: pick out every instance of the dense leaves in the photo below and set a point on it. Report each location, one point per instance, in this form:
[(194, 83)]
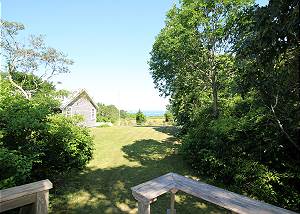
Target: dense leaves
[(231, 71), (15, 168), (140, 118), (37, 142), (108, 113)]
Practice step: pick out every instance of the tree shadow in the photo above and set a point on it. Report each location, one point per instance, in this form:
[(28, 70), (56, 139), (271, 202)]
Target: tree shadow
[(108, 190), (170, 130)]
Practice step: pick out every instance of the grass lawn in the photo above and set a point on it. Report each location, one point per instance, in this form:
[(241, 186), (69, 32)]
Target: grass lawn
[(125, 157)]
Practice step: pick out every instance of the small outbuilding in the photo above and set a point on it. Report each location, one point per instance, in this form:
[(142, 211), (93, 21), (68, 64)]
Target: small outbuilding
[(80, 102)]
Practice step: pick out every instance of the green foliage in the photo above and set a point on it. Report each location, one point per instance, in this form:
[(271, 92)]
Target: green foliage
[(123, 114), (14, 169), (67, 145), (33, 60), (108, 113), (140, 118), (242, 59), (35, 141), (168, 117), (33, 133), (240, 151)]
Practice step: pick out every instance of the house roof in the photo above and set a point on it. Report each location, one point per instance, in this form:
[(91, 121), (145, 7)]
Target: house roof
[(74, 95)]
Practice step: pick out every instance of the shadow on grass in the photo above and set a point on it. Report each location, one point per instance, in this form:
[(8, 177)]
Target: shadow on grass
[(170, 130), (108, 190)]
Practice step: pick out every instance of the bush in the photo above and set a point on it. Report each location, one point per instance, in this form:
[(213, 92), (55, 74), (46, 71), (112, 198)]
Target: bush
[(240, 151), (14, 169), (66, 145), (140, 118), (49, 141), (108, 113)]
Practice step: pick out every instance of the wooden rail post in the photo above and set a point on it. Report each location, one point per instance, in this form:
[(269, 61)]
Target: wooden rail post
[(143, 208), (32, 198), (172, 209)]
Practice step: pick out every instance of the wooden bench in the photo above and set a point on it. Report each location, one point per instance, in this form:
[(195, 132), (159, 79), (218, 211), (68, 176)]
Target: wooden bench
[(147, 192), (34, 196)]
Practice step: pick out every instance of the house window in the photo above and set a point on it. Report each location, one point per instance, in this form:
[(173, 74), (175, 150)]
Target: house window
[(69, 111), (93, 115)]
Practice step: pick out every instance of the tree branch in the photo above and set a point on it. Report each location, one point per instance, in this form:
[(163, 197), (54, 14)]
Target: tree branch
[(25, 94), (280, 124)]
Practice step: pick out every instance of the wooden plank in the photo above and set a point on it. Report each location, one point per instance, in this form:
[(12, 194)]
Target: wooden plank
[(27, 189), (224, 198), (164, 178), (18, 202), (154, 188), (229, 200)]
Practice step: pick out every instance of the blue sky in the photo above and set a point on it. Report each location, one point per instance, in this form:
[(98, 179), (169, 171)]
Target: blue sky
[(109, 41)]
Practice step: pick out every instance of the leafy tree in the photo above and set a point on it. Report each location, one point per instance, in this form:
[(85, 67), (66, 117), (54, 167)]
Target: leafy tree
[(267, 50), (33, 57), (186, 53), (123, 114), (140, 118), (32, 131), (107, 113), (35, 141), (231, 71)]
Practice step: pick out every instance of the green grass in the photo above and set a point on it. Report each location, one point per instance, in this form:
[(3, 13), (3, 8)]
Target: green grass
[(125, 157)]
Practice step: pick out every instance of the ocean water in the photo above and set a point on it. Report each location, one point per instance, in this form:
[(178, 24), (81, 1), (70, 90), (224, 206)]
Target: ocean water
[(150, 113), (154, 113)]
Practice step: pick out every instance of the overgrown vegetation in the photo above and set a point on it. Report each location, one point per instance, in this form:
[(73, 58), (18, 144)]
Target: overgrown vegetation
[(36, 141), (231, 71)]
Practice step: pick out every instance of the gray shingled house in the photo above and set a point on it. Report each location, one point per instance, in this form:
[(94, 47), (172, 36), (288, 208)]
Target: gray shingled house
[(80, 102)]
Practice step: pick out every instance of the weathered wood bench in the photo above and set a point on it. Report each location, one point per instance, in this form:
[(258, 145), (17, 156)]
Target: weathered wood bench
[(34, 196), (147, 192)]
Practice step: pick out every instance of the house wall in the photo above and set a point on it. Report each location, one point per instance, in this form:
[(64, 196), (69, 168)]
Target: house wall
[(84, 107)]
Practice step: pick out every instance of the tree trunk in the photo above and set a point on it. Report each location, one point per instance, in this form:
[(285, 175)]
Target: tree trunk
[(23, 92), (214, 94)]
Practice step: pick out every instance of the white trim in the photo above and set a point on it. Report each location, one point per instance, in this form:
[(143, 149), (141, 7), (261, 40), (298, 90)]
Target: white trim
[(76, 96)]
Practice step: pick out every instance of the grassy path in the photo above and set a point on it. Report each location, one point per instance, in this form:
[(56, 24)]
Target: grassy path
[(123, 158)]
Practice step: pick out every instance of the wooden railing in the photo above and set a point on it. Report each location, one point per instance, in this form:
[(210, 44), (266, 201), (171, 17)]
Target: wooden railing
[(147, 192), (32, 198)]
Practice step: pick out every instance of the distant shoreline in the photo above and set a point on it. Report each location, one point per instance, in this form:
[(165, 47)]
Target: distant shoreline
[(150, 113)]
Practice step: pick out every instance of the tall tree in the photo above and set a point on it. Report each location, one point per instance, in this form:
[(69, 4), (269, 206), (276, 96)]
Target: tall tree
[(33, 57), (186, 53), (267, 53)]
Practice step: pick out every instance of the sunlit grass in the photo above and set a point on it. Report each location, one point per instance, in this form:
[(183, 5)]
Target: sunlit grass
[(123, 158)]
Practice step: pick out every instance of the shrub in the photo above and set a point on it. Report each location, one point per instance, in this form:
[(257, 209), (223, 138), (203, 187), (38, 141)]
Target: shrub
[(140, 118), (67, 145), (244, 151), (14, 168), (52, 142)]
